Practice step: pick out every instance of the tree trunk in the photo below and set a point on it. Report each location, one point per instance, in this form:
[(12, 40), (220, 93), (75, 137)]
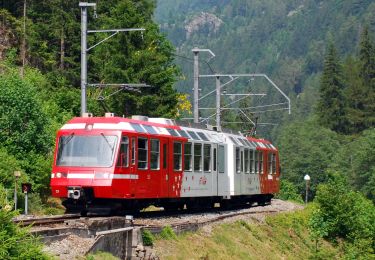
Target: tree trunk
[(62, 49), (23, 46)]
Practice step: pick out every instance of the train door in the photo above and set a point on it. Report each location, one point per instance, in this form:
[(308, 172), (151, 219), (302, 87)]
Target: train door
[(144, 189), (122, 188), (133, 164), (175, 167), (164, 172), (223, 175), (215, 182)]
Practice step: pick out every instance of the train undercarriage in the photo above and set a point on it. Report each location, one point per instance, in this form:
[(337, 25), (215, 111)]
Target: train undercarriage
[(83, 202)]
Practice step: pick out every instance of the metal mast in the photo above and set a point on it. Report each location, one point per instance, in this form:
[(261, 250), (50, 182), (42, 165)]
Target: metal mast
[(84, 50), (84, 53)]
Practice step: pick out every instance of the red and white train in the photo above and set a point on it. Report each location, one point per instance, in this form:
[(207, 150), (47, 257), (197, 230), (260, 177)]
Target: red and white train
[(119, 163)]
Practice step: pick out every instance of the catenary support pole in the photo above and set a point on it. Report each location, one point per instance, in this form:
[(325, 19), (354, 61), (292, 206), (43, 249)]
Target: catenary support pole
[(83, 55), (218, 101), (196, 86)]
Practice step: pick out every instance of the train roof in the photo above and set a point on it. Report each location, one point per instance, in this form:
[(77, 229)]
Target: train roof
[(168, 127)]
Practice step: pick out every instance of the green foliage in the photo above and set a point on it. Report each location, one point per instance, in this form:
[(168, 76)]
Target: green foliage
[(167, 233), (342, 213), (356, 159), (306, 148), (22, 121), (16, 242), (331, 105), (147, 238), (288, 191)]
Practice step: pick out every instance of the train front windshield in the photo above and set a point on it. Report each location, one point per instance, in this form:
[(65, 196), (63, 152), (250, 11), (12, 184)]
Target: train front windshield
[(86, 151)]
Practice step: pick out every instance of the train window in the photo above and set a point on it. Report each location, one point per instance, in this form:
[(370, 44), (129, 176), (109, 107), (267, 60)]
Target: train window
[(193, 135), (274, 163), (247, 161), (202, 136), (238, 160), (165, 155), (260, 153), (138, 128), (155, 154), (188, 157), (269, 163), (242, 141), (123, 158), (252, 168), (183, 133), (221, 157), (215, 160), (206, 157), (177, 156), (242, 162), (256, 162), (150, 129), (198, 157), (142, 153), (172, 132), (133, 151)]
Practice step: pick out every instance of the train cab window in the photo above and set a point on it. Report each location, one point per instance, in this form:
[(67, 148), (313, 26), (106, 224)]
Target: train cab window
[(155, 154), (133, 151), (142, 153), (247, 161), (260, 153), (252, 166), (177, 156), (256, 162), (269, 163), (198, 157), (215, 160), (207, 157), (238, 160), (123, 158), (221, 157), (188, 157)]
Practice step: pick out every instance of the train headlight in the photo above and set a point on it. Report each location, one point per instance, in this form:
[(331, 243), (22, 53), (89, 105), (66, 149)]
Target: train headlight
[(58, 175)]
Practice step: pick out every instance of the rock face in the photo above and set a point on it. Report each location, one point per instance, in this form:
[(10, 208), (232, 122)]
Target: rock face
[(203, 20), (7, 38)]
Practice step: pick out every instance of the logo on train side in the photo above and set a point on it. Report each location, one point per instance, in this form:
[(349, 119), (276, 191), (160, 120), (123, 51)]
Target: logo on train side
[(202, 180)]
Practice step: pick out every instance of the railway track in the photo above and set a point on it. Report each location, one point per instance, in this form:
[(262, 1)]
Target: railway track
[(195, 221), (42, 221)]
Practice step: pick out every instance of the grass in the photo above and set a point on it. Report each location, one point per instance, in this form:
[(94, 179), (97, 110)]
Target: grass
[(283, 236)]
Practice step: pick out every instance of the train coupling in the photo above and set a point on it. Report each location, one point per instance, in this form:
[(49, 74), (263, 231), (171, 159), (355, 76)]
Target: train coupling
[(75, 192)]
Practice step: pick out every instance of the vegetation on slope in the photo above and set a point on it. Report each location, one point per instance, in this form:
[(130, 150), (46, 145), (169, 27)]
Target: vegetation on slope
[(281, 236)]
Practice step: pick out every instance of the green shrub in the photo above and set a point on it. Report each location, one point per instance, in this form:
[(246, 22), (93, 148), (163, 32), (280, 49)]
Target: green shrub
[(17, 242), (147, 238), (167, 233), (288, 191)]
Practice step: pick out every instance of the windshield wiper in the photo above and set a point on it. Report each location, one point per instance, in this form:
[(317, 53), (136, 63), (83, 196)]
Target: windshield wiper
[(106, 140), (68, 139)]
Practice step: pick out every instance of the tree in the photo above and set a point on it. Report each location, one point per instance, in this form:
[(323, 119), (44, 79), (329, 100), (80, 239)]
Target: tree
[(331, 105), (306, 148), (367, 73), (342, 213), (356, 159)]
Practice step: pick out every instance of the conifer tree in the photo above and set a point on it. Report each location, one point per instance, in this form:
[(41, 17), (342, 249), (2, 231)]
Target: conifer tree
[(367, 72), (331, 105)]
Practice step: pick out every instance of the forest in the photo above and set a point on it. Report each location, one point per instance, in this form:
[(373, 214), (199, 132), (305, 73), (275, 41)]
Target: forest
[(321, 53)]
